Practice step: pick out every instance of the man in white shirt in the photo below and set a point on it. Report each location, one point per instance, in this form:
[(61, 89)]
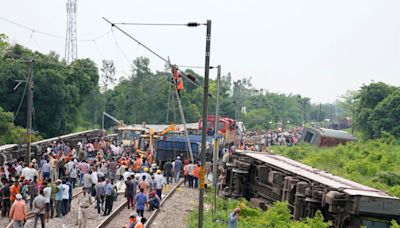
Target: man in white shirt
[(24, 170), (31, 173), (95, 178), (68, 167), (159, 180), (126, 174), (65, 197), (18, 168), (47, 195)]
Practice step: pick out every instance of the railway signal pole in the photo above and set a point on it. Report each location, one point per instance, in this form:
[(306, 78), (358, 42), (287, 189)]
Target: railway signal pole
[(204, 127)]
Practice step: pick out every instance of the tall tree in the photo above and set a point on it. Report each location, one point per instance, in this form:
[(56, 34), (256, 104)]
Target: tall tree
[(107, 75)]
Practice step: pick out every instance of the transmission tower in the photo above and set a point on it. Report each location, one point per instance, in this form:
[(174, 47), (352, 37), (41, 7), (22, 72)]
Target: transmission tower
[(71, 50)]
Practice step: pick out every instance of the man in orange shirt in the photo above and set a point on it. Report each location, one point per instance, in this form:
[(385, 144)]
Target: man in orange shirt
[(14, 190), (18, 212), (141, 223), (196, 174)]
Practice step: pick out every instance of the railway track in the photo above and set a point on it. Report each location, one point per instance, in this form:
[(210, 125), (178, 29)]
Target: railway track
[(119, 217), (31, 214)]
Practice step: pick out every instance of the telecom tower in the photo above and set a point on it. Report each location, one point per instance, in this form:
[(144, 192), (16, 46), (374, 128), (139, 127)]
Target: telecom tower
[(71, 50)]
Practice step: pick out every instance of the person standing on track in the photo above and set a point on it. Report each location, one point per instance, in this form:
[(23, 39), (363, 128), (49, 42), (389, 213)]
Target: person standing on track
[(185, 172), (168, 171), (47, 195), (39, 208), (5, 199), (159, 179), (130, 192), (87, 182), (190, 174), (100, 189), (18, 212), (109, 197), (59, 198), (84, 202), (65, 198), (54, 190), (140, 201), (178, 168), (196, 175)]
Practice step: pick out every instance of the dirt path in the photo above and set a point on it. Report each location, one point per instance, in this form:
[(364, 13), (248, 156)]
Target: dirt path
[(174, 212)]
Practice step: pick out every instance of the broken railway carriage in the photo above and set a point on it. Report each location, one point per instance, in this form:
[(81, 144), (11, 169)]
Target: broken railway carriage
[(264, 178)]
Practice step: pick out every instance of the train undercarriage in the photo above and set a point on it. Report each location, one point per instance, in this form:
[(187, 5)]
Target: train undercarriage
[(264, 178)]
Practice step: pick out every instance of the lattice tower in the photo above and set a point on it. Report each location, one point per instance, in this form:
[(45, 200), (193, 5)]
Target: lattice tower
[(71, 50)]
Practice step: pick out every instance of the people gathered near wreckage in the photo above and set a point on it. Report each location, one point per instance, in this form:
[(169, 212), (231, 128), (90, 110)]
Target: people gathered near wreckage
[(97, 167), (46, 185)]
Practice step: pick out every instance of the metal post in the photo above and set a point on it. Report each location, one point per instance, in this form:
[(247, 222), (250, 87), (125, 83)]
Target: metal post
[(102, 122), (189, 145), (204, 128), (29, 110), (216, 145)]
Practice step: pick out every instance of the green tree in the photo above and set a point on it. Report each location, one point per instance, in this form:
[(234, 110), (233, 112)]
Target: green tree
[(368, 97), (108, 75), (385, 115)]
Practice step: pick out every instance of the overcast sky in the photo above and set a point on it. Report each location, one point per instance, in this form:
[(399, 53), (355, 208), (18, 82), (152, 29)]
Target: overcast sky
[(316, 48)]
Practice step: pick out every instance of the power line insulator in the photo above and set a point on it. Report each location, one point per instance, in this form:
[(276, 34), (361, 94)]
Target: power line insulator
[(193, 24), (191, 77)]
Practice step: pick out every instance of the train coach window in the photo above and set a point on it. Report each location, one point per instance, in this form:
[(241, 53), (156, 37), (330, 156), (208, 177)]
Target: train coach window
[(375, 224), (308, 137)]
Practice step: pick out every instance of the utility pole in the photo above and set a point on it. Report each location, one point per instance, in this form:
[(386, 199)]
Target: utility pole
[(319, 114), (29, 110), (216, 145), (204, 128)]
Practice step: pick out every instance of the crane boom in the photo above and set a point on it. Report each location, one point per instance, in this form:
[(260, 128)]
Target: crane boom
[(120, 122)]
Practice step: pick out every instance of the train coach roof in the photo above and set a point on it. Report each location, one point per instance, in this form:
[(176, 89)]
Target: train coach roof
[(330, 133), (7, 146), (323, 177)]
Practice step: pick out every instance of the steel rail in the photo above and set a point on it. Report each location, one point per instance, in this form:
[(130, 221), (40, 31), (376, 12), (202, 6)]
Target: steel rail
[(106, 221), (154, 214)]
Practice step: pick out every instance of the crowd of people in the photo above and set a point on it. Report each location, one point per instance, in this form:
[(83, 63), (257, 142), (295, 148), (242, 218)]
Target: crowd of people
[(260, 140), (46, 187)]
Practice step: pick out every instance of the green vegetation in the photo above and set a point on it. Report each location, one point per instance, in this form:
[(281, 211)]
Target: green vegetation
[(9, 132), (373, 162), (377, 110), (278, 216), (71, 97)]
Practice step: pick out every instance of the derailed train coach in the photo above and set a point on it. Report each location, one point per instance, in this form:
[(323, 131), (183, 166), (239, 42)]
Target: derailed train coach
[(14, 151), (263, 178)]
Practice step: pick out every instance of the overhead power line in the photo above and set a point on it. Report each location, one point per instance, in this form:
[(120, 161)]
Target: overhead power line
[(113, 25), (33, 30), (189, 24)]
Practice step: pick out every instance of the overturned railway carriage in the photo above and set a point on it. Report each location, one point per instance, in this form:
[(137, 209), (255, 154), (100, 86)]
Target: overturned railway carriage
[(15, 151), (264, 178)]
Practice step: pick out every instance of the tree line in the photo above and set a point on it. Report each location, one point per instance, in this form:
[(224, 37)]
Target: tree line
[(72, 97)]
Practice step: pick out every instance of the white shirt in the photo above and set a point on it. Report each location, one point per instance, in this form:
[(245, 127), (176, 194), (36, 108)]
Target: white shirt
[(47, 194), (95, 178), (126, 175), (24, 171), (31, 173), (65, 192), (69, 166), (159, 180), (18, 169)]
